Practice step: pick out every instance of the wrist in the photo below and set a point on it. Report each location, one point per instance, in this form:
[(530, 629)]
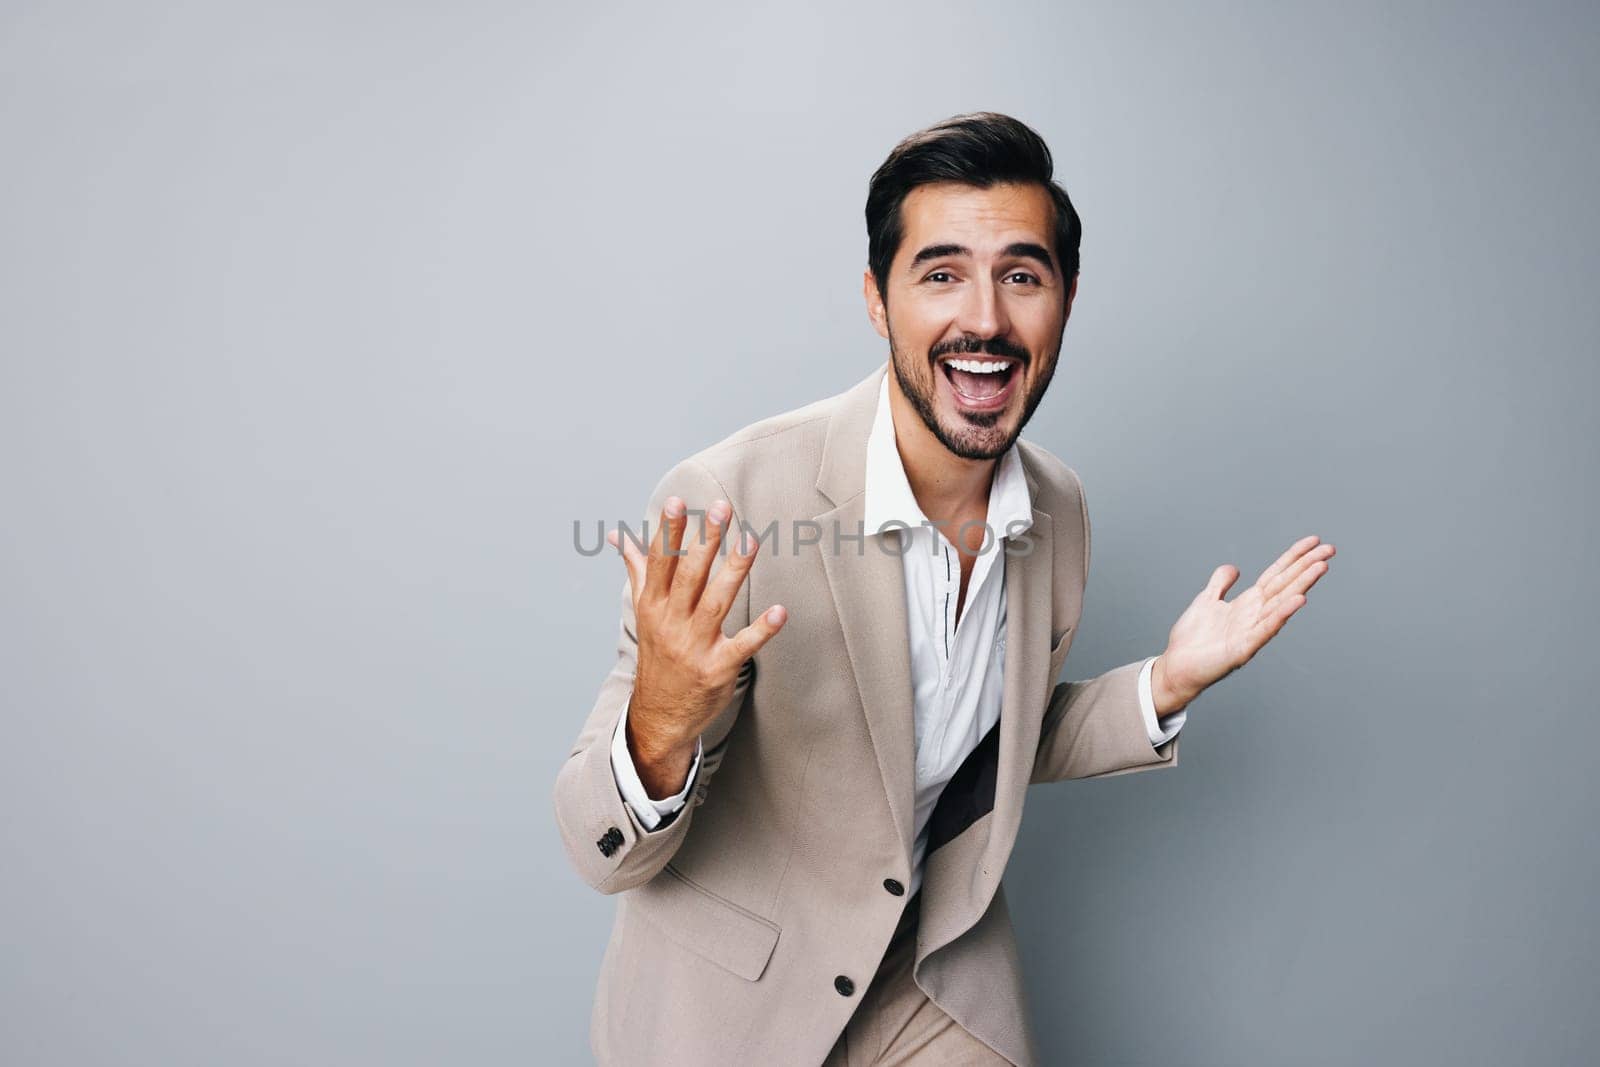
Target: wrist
[(1169, 699), (662, 763)]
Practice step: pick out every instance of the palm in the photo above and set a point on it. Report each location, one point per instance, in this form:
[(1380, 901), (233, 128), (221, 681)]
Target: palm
[(1214, 637)]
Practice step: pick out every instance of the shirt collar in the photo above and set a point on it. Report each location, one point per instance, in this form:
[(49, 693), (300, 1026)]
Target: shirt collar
[(888, 496)]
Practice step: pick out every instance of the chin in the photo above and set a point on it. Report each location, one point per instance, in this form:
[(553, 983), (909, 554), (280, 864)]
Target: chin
[(983, 438)]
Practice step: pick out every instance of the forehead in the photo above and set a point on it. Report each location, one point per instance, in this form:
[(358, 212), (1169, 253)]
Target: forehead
[(984, 220)]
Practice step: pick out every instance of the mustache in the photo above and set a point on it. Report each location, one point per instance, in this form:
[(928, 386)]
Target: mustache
[(971, 346)]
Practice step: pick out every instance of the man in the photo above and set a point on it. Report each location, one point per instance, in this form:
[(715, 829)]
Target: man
[(806, 770)]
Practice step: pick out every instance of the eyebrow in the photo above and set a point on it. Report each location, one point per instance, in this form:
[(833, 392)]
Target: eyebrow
[(1025, 249)]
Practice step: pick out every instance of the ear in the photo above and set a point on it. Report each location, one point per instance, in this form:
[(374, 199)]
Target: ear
[(875, 309), (1072, 291)]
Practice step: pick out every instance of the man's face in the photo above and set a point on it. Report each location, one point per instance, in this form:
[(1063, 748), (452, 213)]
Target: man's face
[(975, 311)]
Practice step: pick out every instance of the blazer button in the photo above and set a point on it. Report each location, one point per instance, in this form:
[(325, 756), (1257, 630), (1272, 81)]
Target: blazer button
[(844, 986), (894, 887)]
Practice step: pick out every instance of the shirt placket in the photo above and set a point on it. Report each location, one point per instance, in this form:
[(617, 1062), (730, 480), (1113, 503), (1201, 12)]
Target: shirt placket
[(947, 589)]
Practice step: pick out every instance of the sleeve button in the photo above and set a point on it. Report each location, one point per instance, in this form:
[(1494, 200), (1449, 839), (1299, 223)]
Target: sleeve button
[(894, 887), (844, 986)]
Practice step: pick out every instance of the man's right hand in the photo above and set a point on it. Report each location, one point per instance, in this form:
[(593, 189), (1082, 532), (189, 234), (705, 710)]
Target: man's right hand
[(686, 667)]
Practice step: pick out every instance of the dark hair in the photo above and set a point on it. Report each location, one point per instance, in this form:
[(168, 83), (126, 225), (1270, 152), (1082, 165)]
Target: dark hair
[(982, 148)]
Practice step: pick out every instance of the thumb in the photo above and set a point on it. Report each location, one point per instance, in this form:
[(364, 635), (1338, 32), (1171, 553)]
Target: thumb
[(748, 641), (1222, 580)]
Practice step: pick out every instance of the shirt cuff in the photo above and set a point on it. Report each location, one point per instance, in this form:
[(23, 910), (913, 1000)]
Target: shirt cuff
[(649, 810), (1147, 704)]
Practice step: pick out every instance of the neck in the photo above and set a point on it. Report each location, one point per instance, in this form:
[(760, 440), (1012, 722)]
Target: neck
[(947, 486)]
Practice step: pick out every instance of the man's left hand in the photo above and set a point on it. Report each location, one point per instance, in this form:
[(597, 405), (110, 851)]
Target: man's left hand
[(1213, 638)]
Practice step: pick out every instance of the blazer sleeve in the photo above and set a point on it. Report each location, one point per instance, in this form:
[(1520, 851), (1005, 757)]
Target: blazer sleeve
[(606, 843), (1096, 728)]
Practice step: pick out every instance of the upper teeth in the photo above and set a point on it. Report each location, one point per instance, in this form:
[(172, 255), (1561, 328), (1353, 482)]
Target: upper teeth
[(977, 366)]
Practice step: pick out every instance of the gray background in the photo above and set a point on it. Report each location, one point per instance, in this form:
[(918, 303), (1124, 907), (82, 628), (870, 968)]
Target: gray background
[(322, 322)]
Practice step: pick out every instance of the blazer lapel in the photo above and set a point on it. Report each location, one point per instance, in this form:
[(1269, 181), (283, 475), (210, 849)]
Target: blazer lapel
[(1029, 585), (962, 874), (868, 587), (869, 592)]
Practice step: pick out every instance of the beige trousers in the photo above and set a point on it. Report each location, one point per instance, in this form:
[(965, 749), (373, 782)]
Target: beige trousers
[(896, 1023)]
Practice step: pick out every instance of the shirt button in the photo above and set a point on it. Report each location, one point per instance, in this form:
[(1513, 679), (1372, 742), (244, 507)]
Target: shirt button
[(894, 887), (844, 986)]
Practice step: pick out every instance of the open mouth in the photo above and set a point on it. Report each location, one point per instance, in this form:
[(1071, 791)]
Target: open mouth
[(981, 383)]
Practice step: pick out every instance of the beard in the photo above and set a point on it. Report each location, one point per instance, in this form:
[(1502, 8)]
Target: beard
[(976, 435)]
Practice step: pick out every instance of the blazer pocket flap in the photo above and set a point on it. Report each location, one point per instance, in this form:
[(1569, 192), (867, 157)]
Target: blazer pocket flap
[(699, 920)]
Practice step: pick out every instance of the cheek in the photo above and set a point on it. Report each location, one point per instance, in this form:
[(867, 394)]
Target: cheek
[(918, 329), (1039, 317), (1040, 333)]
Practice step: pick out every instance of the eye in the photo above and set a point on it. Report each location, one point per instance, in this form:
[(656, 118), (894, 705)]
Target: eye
[(935, 276), (1024, 274)]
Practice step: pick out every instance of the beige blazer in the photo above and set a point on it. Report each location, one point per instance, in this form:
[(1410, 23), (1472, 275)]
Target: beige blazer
[(736, 922)]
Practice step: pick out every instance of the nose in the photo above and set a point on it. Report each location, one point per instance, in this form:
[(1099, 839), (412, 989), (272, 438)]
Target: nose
[(983, 313)]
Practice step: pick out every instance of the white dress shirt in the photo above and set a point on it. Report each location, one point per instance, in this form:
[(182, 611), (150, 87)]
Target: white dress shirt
[(957, 664)]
